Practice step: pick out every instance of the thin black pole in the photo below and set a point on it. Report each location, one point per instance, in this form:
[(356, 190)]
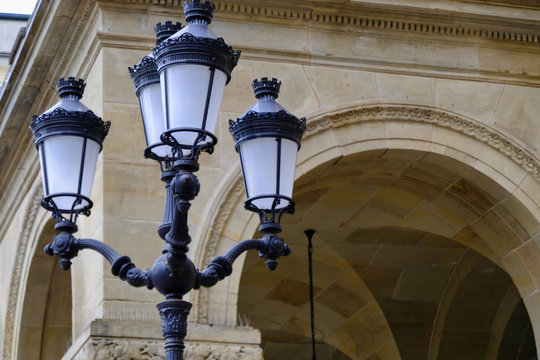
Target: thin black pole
[(309, 233)]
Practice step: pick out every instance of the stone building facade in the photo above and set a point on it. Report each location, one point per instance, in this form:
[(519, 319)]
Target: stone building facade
[(419, 170), (12, 29)]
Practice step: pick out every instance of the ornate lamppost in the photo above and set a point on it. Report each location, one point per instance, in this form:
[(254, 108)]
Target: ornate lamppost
[(179, 87)]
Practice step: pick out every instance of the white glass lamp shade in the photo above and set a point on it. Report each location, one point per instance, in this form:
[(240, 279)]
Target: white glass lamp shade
[(267, 138), (153, 119), (69, 138), (192, 97), (268, 165), (194, 67), (146, 80), (68, 165)]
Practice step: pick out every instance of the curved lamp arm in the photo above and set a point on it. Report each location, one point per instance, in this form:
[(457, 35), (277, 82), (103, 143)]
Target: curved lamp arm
[(270, 247), (66, 247)]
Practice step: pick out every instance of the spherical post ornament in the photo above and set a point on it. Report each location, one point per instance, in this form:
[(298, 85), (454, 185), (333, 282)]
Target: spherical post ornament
[(69, 138), (194, 66), (267, 138)]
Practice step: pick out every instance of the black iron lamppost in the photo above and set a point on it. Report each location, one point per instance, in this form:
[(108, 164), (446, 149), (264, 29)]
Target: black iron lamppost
[(191, 68)]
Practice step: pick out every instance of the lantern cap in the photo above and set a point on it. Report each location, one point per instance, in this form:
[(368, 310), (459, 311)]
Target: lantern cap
[(279, 124), (267, 118), (265, 87), (197, 10), (196, 44), (70, 86), (164, 31), (62, 122), (144, 73), (187, 48), (69, 116)]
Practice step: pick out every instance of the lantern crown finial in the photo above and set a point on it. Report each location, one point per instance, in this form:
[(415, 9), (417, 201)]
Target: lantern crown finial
[(163, 31), (144, 73), (197, 10), (70, 86), (266, 87)]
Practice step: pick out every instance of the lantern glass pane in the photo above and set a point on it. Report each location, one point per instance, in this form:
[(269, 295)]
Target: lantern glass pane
[(184, 89), (153, 119), (289, 150), (259, 158), (90, 163), (61, 157)]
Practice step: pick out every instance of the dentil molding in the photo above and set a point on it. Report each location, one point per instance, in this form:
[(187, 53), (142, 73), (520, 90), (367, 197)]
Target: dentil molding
[(367, 16)]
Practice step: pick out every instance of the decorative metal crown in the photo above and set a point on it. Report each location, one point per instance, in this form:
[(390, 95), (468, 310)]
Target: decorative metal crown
[(196, 10), (70, 86), (163, 31), (84, 123), (197, 50), (144, 73), (147, 61), (266, 87)]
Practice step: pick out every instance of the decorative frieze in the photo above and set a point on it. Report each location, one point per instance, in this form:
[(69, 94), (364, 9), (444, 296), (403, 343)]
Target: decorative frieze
[(342, 16), (204, 351), (118, 349), (364, 16)]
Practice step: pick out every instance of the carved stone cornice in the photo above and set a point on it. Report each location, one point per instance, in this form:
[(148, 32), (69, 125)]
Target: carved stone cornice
[(388, 17), (458, 123), (396, 19)]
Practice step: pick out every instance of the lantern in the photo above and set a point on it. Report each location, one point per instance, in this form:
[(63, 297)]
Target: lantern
[(267, 138), (148, 90), (69, 139), (194, 67)]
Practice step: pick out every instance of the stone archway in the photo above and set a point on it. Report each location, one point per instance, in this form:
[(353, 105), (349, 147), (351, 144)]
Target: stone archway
[(497, 166), (24, 251), (39, 303), (414, 229), (47, 306)]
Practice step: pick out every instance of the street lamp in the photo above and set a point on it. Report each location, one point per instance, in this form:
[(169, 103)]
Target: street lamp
[(191, 67), (267, 138), (69, 138)]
